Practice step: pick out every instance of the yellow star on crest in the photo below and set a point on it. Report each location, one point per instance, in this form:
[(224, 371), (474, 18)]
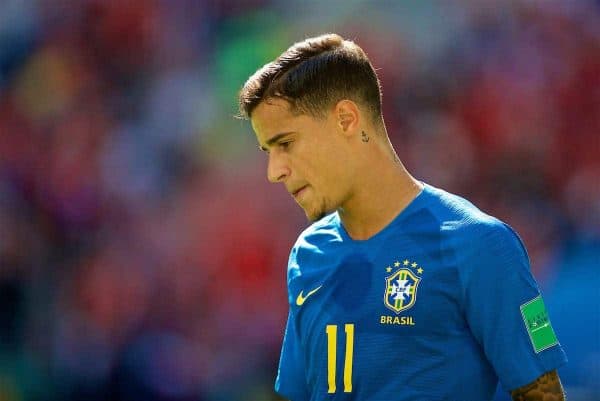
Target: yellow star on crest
[(388, 269), (414, 264), (420, 270), (405, 262), (396, 264)]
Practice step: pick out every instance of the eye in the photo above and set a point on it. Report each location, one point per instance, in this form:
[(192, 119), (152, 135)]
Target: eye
[(285, 145)]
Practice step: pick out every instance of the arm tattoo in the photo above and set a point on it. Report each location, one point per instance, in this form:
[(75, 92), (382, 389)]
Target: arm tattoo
[(547, 387), (365, 137)]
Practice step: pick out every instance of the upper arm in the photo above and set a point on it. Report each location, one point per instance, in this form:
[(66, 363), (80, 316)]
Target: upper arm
[(505, 311), (547, 387)]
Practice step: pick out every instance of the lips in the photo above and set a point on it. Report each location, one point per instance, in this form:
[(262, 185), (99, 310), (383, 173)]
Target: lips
[(299, 191)]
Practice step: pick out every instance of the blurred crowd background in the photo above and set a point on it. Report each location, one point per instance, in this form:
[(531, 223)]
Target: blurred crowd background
[(142, 251)]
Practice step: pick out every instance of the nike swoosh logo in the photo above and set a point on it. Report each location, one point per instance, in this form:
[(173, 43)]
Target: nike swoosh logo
[(301, 299)]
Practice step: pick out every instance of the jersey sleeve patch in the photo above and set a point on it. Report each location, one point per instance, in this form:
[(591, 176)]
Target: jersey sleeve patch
[(538, 324)]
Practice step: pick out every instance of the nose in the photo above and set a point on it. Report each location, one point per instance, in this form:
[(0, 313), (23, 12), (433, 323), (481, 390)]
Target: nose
[(278, 169)]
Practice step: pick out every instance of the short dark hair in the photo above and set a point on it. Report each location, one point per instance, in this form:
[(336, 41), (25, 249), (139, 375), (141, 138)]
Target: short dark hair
[(313, 75)]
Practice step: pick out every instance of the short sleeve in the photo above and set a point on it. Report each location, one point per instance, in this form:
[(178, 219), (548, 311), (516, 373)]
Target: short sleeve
[(505, 310), (291, 374)]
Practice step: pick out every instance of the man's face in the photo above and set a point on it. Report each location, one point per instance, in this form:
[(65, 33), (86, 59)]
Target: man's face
[(306, 154)]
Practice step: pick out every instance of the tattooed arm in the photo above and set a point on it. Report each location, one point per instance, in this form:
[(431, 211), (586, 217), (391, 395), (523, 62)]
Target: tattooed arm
[(547, 387)]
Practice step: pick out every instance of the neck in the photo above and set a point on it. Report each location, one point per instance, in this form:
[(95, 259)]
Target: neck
[(381, 193)]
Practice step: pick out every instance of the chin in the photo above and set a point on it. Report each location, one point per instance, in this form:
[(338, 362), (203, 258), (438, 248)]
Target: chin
[(316, 210), (317, 214)]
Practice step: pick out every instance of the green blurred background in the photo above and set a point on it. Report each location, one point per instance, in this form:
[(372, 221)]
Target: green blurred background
[(142, 251)]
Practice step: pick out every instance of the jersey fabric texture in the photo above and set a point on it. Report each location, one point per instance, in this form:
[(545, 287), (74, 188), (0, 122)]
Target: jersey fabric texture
[(430, 308)]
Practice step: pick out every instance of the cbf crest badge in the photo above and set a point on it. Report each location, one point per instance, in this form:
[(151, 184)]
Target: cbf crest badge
[(401, 290)]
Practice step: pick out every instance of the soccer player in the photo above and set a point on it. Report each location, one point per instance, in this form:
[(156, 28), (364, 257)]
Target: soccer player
[(398, 290)]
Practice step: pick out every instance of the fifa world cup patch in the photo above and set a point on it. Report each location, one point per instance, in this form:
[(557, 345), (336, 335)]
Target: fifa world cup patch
[(538, 324)]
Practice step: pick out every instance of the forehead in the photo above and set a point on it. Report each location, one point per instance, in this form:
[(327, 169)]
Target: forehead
[(272, 115)]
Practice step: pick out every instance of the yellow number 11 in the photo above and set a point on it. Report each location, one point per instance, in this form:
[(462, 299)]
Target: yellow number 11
[(331, 331)]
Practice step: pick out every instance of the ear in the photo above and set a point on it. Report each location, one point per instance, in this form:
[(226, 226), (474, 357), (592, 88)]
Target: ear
[(347, 116)]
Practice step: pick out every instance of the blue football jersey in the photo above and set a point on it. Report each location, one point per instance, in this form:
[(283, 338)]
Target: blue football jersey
[(439, 305)]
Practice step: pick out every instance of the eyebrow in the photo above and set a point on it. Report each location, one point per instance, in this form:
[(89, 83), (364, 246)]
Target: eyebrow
[(274, 139)]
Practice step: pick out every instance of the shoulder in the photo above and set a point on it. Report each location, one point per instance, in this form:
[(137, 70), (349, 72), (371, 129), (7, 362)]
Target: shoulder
[(482, 248), (463, 223), (468, 237)]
